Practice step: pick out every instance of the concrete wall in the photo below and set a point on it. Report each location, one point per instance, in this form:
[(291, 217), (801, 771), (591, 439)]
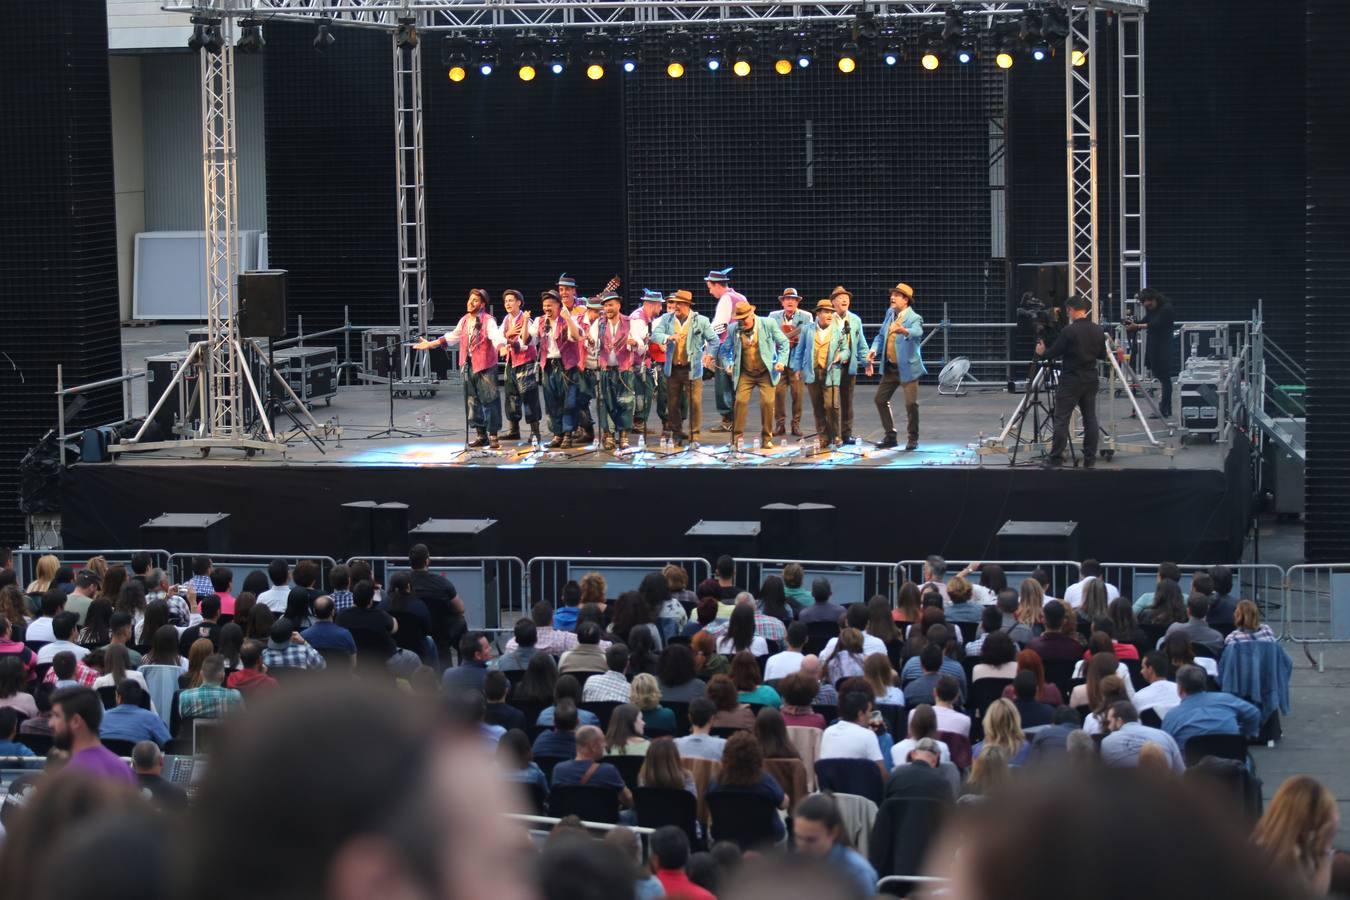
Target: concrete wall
[(142, 25), (128, 168)]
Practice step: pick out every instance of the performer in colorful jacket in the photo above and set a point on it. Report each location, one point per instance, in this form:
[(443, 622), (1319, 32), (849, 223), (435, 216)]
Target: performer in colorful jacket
[(790, 318), (718, 282), (522, 369), (855, 343), (588, 386), (567, 290), (649, 382), (754, 354), (559, 342), (689, 341), (480, 341), (620, 343), (897, 350), (821, 356)]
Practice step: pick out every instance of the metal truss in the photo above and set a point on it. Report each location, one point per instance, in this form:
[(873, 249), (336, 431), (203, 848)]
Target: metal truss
[(1132, 203), (414, 311), (601, 15), (1080, 124)]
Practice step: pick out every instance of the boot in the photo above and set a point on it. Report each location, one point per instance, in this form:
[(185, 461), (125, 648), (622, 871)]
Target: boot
[(514, 433), (622, 442), (608, 440), (482, 439), (780, 430), (567, 442), (912, 414), (557, 443), (639, 428), (493, 442), (891, 440), (588, 434), (725, 425), (534, 432)]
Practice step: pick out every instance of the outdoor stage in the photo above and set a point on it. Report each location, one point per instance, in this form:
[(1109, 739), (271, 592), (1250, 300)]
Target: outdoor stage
[(944, 498)]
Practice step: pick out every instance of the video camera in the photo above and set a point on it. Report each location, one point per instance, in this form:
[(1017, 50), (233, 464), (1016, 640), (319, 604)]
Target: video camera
[(1038, 318)]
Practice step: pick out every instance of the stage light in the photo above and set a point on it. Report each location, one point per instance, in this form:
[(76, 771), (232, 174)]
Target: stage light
[(804, 55), (323, 37), (558, 57), (848, 57), (930, 60), (713, 58), (1029, 31), (406, 36), (965, 56), (457, 74), (741, 57), (596, 56), (526, 72), (556, 67), (679, 56), (1078, 57), (595, 71), (1055, 25), (1040, 53), (206, 35), (890, 57), (1007, 40), (952, 27), (675, 69), (251, 39), (1004, 59), (488, 58), (455, 58), (864, 27), (783, 66)]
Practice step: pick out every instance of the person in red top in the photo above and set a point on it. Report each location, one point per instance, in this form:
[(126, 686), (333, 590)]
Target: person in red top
[(668, 853), (251, 675), (17, 649), (1104, 626)]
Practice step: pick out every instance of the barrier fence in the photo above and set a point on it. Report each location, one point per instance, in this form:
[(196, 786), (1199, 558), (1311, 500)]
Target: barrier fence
[(241, 565), (1262, 584), (25, 561), (495, 589), (1317, 603), (1062, 573), (850, 582), (548, 574)]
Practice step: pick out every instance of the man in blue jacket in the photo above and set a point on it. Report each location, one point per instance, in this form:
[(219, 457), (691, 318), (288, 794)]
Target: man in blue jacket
[(896, 349), (753, 354), (855, 345), (790, 319), (689, 340), (820, 357)]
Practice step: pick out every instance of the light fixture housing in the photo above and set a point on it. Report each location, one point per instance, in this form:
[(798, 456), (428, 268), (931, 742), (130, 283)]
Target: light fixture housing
[(251, 36), (489, 57), (323, 36), (406, 35), (848, 57), (741, 58), (455, 57), (1078, 56)]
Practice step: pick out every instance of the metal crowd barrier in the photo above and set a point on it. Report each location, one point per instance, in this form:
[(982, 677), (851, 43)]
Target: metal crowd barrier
[(1062, 572), (850, 582), (1262, 584), (495, 589), (25, 561), (1317, 603), (242, 564), (548, 574)]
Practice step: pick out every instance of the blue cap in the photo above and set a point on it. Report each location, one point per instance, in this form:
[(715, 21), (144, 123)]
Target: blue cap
[(565, 280), (651, 296), (722, 276)]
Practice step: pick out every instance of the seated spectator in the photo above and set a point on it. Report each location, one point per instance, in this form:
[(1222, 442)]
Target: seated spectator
[(413, 618), (325, 634), (1003, 728), (1057, 642), (1052, 740), (677, 675), (372, 631), (587, 655), (700, 742), (610, 686), (707, 660), (1008, 604), (989, 775), (474, 653), (222, 588), (129, 721), (287, 650), (9, 730), (63, 671), (907, 604), (922, 724), (940, 636), (63, 630), (77, 714), (471, 708), (789, 661), (1167, 571), (1110, 689), (1202, 711), (916, 774), (706, 609), (771, 732), (852, 736), (743, 772), (643, 646), (731, 712), (740, 632), (252, 674), (799, 692), (164, 648), (566, 687), (522, 647), (662, 769), (821, 608), (811, 668), (1033, 712), (197, 654), (1180, 653), (13, 679), (561, 742), (588, 766), (495, 689), (1196, 627), (548, 639), (856, 617), (745, 673), (1125, 737), (961, 608), (991, 622), (625, 735), (846, 658), (920, 690), (1091, 570), (1103, 625), (880, 677), (1167, 605), (565, 615), (946, 696), (673, 613), (1101, 665), (40, 629), (208, 628), (998, 658), (517, 761), (120, 627), (147, 761), (668, 853), (538, 686), (1297, 834), (1161, 693), (1046, 692), (818, 831), (1247, 625), (17, 650), (210, 701), (1222, 603), (117, 668), (645, 694), (1127, 630)]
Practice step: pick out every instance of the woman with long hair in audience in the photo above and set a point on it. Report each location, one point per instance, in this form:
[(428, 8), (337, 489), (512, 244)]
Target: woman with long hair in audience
[(131, 600), (922, 724), (847, 658), (567, 688), (1097, 668), (1247, 625), (1046, 692), (989, 774), (231, 642), (297, 609), (625, 734), (1297, 833), (663, 769), (799, 692), (677, 583), (677, 675), (643, 652), (771, 732), (731, 712), (1110, 690), (259, 625), (256, 583), (708, 661), (111, 586), (44, 575), (1003, 728), (655, 592), (1094, 605), (197, 654), (1168, 607), (881, 626), (1121, 613), (705, 613), (745, 673), (917, 637), (794, 586), (14, 607), (1031, 605), (97, 629), (880, 678), (645, 694), (516, 760), (156, 615), (117, 668), (743, 773), (593, 589), (773, 600), (629, 613), (243, 608), (998, 658), (740, 634), (13, 680), (907, 609), (163, 649), (536, 687)]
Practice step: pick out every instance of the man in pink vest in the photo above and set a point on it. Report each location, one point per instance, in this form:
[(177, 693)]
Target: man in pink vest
[(719, 285), (522, 370), (576, 306), (619, 344), (480, 341), (557, 337), (650, 382)]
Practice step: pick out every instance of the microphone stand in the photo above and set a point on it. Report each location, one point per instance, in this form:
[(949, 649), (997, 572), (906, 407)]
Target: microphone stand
[(395, 366)]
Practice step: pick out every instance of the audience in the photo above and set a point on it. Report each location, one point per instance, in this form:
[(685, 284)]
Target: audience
[(1032, 712), (1003, 728), (211, 700), (661, 768), (561, 741), (1247, 625), (625, 736), (325, 635), (286, 649), (700, 743), (731, 712), (1297, 834), (77, 714), (818, 831), (589, 653), (251, 675), (1125, 737), (799, 692), (1160, 695), (678, 676), (587, 768), (129, 721), (922, 724), (668, 854), (743, 772), (1205, 712), (745, 673), (789, 661), (852, 737), (1196, 627)]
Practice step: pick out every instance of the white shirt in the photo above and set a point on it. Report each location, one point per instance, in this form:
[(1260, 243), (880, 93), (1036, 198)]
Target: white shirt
[(948, 720), (781, 665), (1160, 696), (275, 598), (48, 653), (900, 752), (982, 595), (40, 629), (758, 646), (726, 305), (555, 327), (637, 331), (468, 324), (871, 644), (1074, 594), (845, 740)]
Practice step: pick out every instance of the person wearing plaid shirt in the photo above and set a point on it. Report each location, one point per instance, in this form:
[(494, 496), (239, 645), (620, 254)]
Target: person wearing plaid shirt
[(767, 627), (201, 576), (551, 640), (612, 686), (284, 653), (83, 674), (340, 579), (180, 611), (210, 701)]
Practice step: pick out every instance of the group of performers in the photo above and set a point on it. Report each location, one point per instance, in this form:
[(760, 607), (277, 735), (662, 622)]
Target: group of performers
[(583, 350)]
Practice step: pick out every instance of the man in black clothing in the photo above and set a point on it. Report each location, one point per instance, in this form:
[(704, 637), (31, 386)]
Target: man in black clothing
[(148, 762), (1081, 344), (495, 688), (208, 627), (918, 778), (442, 600), (1033, 712), (1159, 322)]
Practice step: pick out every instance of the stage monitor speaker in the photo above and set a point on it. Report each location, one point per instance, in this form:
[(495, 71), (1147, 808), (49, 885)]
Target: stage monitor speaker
[(1037, 541), (817, 531), (262, 304), (778, 531), (710, 539), (457, 537), (188, 533), (358, 526), (1047, 281), (389, 529)]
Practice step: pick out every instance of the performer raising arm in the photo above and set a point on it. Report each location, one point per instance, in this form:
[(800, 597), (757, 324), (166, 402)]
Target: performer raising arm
[(480, 341)]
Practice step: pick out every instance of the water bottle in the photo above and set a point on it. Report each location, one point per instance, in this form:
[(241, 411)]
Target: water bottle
[(642, 443)]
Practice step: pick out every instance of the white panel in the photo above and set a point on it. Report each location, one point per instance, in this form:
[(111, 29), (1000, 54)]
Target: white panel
[(170, 279)]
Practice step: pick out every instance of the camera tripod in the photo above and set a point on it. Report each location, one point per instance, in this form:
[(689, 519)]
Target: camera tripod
[(1038, 401)]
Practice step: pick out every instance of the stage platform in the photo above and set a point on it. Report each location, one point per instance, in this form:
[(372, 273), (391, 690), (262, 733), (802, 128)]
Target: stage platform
[(1187, 504)]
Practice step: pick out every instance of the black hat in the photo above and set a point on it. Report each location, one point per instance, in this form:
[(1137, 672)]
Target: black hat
[(512, 292), (550, 295)]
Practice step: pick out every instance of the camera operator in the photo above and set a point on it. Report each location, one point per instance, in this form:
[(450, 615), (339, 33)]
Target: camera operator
[(1081, 344), (1159, 322)]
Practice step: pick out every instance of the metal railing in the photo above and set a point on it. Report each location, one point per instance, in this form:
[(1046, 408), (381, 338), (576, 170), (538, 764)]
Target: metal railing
[(548, 574), (1062, 572), (495, 589), (241, 564), (1317, 603), (1262, 584), (850, 582), (25, 561)]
